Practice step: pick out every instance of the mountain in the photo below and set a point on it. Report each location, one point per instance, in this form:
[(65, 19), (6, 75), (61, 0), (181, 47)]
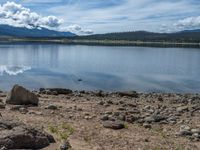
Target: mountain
[(6, 30), (192, 36), (195, 30)]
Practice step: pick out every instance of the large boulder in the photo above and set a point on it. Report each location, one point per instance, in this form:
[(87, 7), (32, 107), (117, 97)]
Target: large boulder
[(21, 96), (20, 136)]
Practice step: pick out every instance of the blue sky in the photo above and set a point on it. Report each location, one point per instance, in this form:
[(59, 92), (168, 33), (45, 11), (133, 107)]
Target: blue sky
[(101, 16)]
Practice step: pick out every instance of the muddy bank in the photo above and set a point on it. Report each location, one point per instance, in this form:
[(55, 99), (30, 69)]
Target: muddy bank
[(112, 121)]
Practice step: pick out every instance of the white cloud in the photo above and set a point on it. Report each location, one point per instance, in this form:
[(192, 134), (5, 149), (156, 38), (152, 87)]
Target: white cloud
[(16, 15), (77, 29), (129, 15), (189, 23)]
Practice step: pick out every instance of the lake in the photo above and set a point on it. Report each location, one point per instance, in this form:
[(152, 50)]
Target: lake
[(79, 67)]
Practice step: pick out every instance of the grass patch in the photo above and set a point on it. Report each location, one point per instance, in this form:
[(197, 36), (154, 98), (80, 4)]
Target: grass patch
[(126, 126), (62, 131)]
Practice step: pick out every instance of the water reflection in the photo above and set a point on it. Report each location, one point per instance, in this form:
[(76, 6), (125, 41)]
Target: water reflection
[(106, 68), (13, 70)]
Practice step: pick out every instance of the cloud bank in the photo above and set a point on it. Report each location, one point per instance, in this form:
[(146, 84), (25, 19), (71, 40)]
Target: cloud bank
[(13, 70), (189, 23), (77, 29), (102, 16), (16, 15), (19, 16)]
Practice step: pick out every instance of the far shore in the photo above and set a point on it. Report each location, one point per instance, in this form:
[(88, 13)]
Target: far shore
[(104, 42)]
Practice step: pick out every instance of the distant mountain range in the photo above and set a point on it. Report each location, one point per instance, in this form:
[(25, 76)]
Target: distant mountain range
[(196, 30), (6, 30), (189, 36), (182, 36)]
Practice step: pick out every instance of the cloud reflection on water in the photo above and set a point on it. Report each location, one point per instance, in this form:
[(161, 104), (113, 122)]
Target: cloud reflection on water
[(13, 70)]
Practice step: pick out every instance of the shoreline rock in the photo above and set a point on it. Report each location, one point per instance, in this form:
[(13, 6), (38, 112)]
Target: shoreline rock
[(21, 96), (16, 135)]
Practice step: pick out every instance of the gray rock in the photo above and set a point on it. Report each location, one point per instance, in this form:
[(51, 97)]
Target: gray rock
[(19, 136), (104, 118), (65, 145), (108, 112), (154, 118), (15, 107), (21, 96), (146, 125), (116, 125), (52, 107), (195, 131), (121, 117), (133, 94), (182, 109), (2, 105), (101, 103), (56, 91), (185, 133)]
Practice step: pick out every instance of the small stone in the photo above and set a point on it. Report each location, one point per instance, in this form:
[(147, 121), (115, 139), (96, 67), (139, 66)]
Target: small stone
[(116, 113), (80, 109), (132, 94), (146, 140), (65, 145), (104, 118), (182, 109), (131, 105), (121, 117), (109, 102), (23, 110), (88, 117), (116, 125), (196, 135), (101, 103), (2, 106), (52, 107), (160, 99), (121, 109), (146, 125), (15, 107), (185, 127), (195, 131), (185, 133), (108, 112), (154, 118), (134, 111)]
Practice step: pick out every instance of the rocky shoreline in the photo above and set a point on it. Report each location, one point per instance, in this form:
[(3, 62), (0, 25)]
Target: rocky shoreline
[(82, 120)]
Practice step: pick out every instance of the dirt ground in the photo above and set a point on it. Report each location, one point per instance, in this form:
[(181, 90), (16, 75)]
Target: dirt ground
[(78, 118)]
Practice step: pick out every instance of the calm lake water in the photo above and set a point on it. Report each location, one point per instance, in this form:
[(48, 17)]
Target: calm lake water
[(100, 67)]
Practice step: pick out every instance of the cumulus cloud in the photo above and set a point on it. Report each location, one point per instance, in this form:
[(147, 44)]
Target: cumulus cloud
[(189, 23), (17, 15), (77, 29), (13, 70)]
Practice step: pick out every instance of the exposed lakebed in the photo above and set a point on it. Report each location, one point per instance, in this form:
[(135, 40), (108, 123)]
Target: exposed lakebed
[(100, 67)]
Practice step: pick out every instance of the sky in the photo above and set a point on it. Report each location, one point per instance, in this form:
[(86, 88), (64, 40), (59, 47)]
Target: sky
[(102, 16)]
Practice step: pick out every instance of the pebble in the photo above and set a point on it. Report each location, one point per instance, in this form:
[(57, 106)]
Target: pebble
[(65, 145), (116, 125)]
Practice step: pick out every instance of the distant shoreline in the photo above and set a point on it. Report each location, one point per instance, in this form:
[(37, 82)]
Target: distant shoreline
[(104, 42)]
